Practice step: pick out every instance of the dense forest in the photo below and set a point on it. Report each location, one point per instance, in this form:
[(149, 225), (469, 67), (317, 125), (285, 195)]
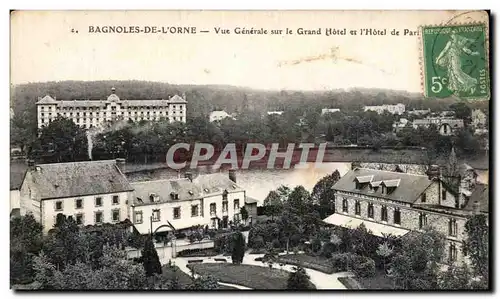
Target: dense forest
[(302, 121)]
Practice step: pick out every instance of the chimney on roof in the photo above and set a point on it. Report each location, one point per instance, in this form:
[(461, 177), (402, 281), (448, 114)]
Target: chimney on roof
[(189, 176), (434, 172), (120, 162), (31, 164), (232, 175)]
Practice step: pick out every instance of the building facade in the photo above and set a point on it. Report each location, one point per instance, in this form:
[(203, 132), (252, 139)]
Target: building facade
[(91, 192), (97, 192), (212, 200), (329, 110), (393, 109), (445, 125), (218, 115), (94, 113), (398, 203)]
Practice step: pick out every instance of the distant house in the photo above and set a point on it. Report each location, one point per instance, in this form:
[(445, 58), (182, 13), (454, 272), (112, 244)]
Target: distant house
[(329, 110), (419, 112), (446, 126), (93, 192), (275, 112), (95, 113), (478, 119), (393, 109), (400, 124), (218, 115)]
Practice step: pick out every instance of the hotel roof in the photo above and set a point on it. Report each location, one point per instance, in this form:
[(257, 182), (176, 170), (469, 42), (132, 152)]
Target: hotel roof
[(60, 180)]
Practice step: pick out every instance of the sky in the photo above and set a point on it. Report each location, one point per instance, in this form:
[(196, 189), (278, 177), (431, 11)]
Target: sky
[(43, 48)]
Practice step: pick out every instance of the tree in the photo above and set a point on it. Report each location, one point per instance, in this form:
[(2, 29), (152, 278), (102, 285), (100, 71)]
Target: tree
[(25, 243), (323, 193), (238, 248), (150, 259), (476, 244), (384, 250), (455, 278), (244, 214), (298, 280), (116, 273), (63, 246), (273, 204), (415, 265), (61, 141)]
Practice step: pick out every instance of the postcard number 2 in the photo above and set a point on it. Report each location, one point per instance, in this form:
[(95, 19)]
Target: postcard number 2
[(437, 84)]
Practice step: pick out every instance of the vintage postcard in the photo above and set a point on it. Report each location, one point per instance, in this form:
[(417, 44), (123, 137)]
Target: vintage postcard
[(250, 150)]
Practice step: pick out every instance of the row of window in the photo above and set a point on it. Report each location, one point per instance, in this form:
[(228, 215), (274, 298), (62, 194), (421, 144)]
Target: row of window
[(59, 205), (77, 120), (98, 217), (181, 107), (84, 115), (195, 211), (422, 220), (370, 211)]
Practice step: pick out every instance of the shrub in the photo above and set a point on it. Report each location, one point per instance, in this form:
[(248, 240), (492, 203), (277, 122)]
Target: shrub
[(364, 267), (222, 243), (258, 242), (316, 245), (328, 249), (276, 244)]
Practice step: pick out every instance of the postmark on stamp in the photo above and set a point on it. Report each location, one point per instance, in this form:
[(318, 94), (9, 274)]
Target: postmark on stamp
[(455, 61)]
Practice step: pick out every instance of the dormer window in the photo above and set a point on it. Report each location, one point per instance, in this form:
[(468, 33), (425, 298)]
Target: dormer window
[(174, 196), (153, 197)]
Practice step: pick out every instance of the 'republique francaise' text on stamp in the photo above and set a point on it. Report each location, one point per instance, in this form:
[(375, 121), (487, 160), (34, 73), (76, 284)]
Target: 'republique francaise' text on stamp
[(455, 61)]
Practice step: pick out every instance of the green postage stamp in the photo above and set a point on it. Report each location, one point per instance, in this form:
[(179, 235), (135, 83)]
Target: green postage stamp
[(455, 61)]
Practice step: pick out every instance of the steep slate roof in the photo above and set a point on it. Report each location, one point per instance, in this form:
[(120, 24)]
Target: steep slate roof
[(409, 189), (202, 186), (17, 171), (481, 195), (250, 200), (78, 179), (47, 100)]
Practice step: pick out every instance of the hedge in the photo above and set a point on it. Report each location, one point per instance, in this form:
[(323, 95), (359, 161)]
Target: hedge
[(328, 269)]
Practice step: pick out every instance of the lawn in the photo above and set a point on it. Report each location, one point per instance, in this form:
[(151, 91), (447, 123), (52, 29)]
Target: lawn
[(378, 282), (254, 277), (184, 279), (307, 261)]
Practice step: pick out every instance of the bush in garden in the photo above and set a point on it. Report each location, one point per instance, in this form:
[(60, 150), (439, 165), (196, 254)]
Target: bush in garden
[(327, 250), (364, 267), (316, 245), (258, 242), (276, 244), (222, 243)]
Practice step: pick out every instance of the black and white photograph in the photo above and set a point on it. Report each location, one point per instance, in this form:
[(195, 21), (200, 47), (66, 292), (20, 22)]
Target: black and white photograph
[(197, 150)]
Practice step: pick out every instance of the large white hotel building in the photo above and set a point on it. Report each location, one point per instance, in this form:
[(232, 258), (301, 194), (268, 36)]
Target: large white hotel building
[(93, 113)]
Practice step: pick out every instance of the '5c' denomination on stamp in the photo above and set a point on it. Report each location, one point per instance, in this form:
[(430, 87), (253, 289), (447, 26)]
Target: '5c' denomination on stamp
[(455, 61)]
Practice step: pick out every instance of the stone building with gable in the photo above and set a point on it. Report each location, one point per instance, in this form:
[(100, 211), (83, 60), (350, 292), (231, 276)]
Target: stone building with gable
[(397, 203)]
